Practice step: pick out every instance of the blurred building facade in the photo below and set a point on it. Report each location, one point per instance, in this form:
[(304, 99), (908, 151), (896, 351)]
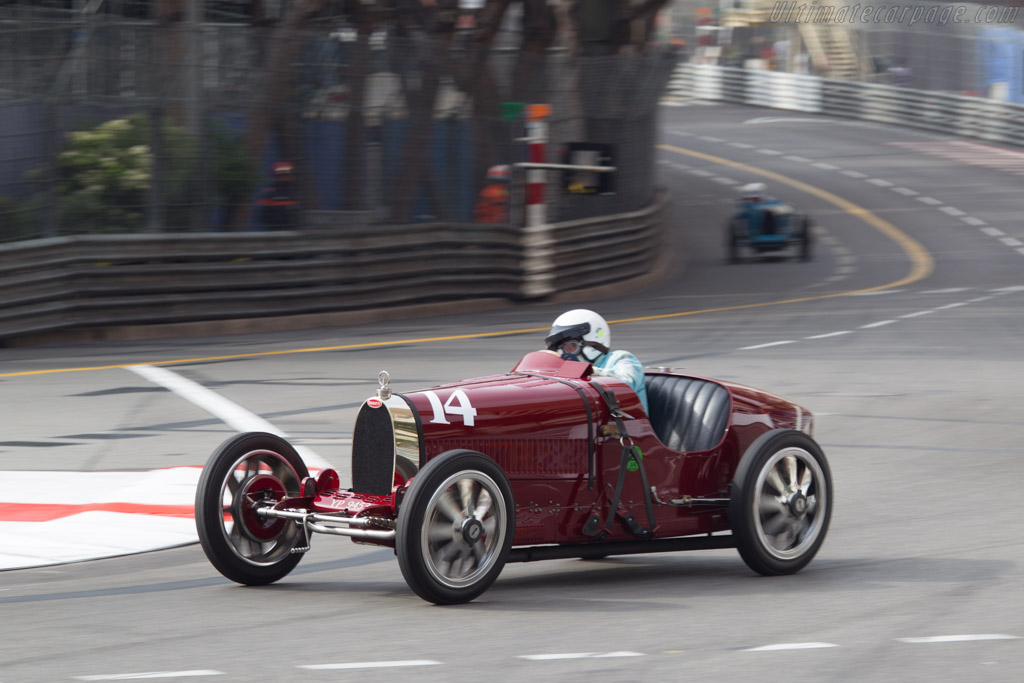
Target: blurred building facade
[(967, 48)]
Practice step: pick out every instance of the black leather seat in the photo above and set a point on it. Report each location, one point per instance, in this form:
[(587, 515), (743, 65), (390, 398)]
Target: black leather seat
[(687, 414)]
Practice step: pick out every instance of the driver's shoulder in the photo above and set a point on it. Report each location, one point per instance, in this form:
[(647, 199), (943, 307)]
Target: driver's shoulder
[(621, 356)]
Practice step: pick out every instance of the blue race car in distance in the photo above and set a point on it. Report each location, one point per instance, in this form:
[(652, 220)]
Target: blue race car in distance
[(764, 225)]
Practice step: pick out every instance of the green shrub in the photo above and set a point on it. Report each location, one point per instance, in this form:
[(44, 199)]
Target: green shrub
[(105, 175)]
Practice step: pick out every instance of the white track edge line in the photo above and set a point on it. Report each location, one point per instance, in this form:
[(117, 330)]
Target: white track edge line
[(228, 412)]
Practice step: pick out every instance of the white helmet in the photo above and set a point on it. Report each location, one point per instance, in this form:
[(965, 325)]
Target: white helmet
[(754, 190), (580, 332)]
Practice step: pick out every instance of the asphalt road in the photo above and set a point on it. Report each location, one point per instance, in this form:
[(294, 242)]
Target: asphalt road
[(915, 378)]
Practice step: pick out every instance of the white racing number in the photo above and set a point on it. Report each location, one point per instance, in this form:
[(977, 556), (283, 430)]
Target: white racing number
[(457, 404)]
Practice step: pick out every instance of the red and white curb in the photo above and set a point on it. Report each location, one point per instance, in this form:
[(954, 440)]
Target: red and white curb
[(51, 518)]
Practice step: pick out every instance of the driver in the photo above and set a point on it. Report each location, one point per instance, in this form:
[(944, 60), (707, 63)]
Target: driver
[(582, 334), (755, 192)]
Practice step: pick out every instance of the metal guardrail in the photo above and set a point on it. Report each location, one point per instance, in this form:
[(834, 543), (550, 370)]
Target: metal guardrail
[(91, 282), (971, 117), (594, 251)]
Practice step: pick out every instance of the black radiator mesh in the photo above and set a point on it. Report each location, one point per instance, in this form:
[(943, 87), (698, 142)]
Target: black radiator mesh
[(373, 452)]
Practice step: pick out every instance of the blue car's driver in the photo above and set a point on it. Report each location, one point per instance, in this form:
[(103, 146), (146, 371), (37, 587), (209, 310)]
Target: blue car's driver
[(581, 334)]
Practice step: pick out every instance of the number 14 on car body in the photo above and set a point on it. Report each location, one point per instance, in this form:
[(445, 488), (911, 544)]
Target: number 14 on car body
[(457, 404)]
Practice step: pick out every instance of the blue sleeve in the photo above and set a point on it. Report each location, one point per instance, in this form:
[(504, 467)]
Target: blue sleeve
[(627, 367)]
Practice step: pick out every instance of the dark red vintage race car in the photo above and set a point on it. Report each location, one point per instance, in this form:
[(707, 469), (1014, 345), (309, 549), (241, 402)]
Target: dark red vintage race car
[(547, 461)]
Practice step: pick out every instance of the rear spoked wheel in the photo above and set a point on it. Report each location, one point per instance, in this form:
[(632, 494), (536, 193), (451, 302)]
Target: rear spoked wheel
[(245, 472), (455, 527), (781, 502)]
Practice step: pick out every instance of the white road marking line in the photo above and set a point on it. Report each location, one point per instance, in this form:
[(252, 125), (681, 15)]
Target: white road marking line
[(840, 250), (879, 292), (880, 323), (150, 674), (916, 315), (1007, 290), (740, 145), (681, 133), (1011, 241), (959, 638), (799, 160), (829, 334), (764, 346), (853, 174), (931, 201), (790, 646), (725, 181), (951, 211), (582, 655), (957, 305), (948, 290), (906, 191), (846, 270), (979, 299), (971, 220), (1021, 250), (846, 258), (701, 172), (825, 167), (710, 138), (769, 152), (369, 665), (232, 414), (993, 232), (879, 182)]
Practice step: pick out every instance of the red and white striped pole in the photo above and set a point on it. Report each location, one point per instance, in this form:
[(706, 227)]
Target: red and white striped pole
[(537, 137), (538, 267)]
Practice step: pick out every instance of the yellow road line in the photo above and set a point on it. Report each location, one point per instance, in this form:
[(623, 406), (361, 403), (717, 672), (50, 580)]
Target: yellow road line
[(921, 266)]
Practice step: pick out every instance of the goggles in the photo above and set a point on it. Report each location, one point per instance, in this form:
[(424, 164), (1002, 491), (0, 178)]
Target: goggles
[(571, 346)]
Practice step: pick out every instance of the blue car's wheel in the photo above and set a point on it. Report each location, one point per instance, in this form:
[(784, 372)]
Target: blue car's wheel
[(733, 240), (806, 240)]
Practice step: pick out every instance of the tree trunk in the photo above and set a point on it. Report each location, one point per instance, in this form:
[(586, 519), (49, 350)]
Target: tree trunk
[(414, 167), (479, 83), (529, 84), (273, 95), (354, 191)]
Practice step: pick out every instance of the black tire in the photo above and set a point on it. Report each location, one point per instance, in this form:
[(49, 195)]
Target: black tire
[(243, 547), (448, 555), (733, 241), (781, 502), (807, 241)]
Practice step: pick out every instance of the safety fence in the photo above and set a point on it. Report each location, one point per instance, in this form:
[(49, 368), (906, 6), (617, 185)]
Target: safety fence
[(90, 283), (973, 117), (110, 125)]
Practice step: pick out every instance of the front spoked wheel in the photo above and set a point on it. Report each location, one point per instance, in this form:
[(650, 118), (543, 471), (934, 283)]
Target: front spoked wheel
[(781, 502), (246, 472), (455, 527)]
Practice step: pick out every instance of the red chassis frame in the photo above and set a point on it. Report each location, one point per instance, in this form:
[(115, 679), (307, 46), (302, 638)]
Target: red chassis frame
[(532, 423)]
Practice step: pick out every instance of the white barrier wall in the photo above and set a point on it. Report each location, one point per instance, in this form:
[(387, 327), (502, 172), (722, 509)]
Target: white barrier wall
[(972, 117)]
